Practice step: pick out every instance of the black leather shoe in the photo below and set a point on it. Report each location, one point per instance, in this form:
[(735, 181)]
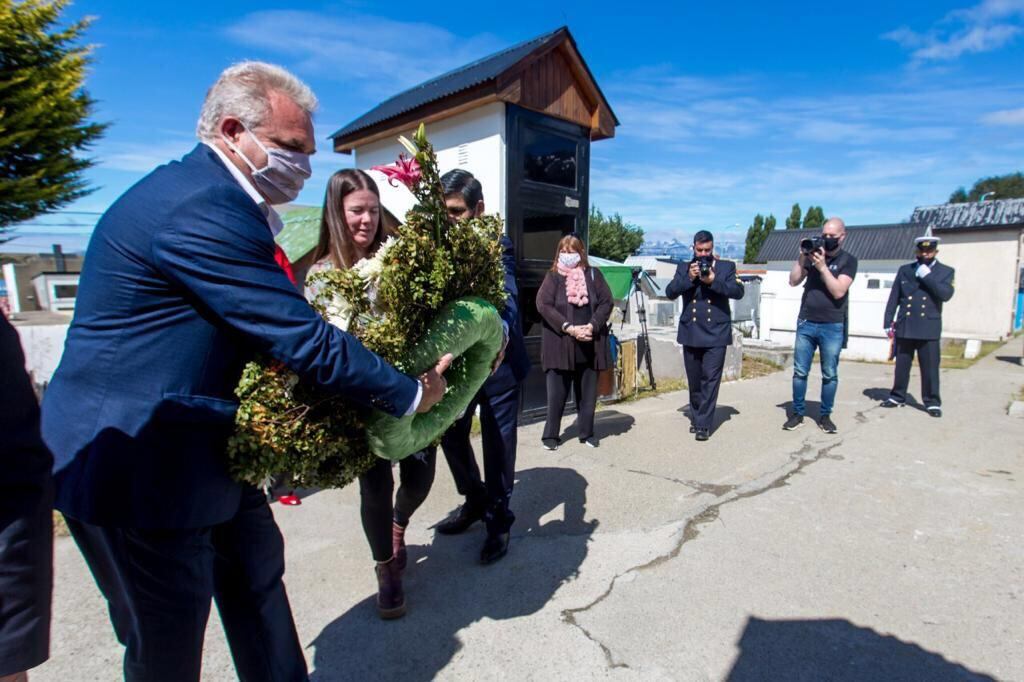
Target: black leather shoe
[(693, 429), (463, 519), (703, 434), (495, 547)]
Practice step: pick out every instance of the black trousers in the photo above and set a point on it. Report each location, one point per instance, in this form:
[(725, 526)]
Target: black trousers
[(158, 585), (703, 377), (928, 356), (583, 380), (377, 490), (499, 424)]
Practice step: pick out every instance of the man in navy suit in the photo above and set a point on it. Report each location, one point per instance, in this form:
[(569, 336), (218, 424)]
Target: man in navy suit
[(920, 289), (705, 327), (498, 400), (26, 518), (180, 287)]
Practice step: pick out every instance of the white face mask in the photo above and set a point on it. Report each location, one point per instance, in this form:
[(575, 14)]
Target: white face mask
[(569, 260), (281, 180)]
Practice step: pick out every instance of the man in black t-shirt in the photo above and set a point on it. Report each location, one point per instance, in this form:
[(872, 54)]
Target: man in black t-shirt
[(827, 273)]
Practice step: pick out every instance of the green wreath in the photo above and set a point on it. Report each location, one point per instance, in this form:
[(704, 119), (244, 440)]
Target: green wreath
[(471, 330)]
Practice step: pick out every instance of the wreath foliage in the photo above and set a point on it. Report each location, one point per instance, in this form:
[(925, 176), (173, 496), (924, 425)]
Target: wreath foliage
[(289, 426)]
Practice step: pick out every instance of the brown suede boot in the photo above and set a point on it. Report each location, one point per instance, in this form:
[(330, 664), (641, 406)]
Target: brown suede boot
[(398, 545), (390, 596)]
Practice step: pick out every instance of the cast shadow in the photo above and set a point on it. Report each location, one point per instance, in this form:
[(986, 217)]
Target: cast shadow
[(880, 394), (835, 649), (607, 423), (723, 413), (813, 408), (1012, 359), (447, 590)]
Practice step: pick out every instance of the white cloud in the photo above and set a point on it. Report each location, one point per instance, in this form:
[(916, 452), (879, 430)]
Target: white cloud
[(1005, 117), (985, 27), (712, 154), (382, 55), (142, 157)]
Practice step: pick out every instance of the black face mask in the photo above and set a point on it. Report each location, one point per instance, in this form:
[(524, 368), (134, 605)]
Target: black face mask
[(830, 243)]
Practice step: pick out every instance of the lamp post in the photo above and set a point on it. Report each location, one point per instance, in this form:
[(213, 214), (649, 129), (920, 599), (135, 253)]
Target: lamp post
[(982, 198)]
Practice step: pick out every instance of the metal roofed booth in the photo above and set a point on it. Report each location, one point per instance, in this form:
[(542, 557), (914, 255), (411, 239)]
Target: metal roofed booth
[(521, 120)]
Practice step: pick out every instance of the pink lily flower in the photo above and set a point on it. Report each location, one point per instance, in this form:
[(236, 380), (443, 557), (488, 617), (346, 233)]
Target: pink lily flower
[(405, 171)]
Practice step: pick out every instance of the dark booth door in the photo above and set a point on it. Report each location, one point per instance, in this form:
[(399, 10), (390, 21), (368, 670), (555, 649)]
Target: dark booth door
[(548, 179)]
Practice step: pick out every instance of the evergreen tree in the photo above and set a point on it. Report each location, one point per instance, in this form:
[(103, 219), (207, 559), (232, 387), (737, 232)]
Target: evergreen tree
[(611, 237), (43, 110), (1009, 186), (793, 221), (814, 218), (757, 233)]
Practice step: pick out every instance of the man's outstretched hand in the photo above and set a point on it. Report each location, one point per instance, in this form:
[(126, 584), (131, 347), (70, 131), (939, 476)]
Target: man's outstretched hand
[(434, 384)]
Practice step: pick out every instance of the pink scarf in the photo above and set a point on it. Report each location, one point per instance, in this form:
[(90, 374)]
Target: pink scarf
[(575, 285)]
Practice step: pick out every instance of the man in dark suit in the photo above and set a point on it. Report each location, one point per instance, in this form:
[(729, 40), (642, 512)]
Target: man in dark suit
[(918, 293), (26, 520), (705, 327), (180, 287), (498, 401)]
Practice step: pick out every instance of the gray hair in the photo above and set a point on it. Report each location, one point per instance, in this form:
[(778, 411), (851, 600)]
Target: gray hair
[(243, 90)]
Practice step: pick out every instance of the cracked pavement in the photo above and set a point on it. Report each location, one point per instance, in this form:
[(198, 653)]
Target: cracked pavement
[(890, 550)]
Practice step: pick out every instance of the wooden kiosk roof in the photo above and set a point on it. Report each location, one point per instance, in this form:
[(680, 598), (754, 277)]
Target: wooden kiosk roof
[(545, 74)]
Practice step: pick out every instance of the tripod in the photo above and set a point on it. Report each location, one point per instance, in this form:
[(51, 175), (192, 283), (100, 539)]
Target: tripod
[(643, 339)]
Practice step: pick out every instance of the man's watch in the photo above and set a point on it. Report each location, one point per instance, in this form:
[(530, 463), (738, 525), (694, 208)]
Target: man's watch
[(565, 326)]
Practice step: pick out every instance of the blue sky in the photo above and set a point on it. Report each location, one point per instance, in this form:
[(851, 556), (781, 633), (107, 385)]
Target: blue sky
[(867, 109)]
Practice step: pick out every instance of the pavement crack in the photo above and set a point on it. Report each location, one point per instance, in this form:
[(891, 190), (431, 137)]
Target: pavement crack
[(704, 514), (710, 488)]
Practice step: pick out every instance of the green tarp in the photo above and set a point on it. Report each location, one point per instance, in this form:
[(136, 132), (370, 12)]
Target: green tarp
[(301, 232), (618, 276)]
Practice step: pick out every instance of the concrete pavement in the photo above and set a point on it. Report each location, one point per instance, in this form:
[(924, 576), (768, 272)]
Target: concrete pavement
[(888, 551)]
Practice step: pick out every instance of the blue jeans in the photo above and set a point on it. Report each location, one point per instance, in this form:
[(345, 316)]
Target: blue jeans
[(827, 339)]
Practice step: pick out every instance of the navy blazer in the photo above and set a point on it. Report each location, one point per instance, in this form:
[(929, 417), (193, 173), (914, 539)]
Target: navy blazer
[(179, 290), (706, 321), (26, 518), (919, 301), (516, 365)]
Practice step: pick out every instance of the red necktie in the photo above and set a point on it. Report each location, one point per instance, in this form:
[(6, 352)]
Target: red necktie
[(283, 261)]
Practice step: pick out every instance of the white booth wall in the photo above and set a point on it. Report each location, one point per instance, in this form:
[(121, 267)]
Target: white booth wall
[(473, 140)]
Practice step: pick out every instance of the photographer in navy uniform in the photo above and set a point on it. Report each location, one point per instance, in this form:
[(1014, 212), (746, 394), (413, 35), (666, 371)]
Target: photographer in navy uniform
[(920, 289), (827, 273), (705, 327)]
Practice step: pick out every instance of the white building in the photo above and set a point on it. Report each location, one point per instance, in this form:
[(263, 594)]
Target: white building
[(985, 243)]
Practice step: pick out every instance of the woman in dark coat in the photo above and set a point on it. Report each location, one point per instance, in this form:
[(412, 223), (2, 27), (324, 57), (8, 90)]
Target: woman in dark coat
[(574, 302)]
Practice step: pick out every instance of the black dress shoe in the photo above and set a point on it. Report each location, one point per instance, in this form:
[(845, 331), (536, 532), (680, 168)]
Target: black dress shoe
[(495, 547), (703, 434), (693, 429), (463, 519)]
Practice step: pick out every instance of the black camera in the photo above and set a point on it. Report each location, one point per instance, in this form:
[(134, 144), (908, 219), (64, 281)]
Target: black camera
[(812, 244), (704, 264)]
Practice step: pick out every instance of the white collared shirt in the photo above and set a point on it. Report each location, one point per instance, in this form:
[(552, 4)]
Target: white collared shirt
[(273, 219)]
